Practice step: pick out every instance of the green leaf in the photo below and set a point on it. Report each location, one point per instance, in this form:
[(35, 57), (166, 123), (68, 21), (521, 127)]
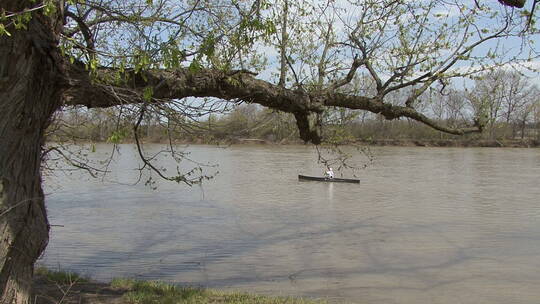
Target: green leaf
[(93, 64), (208, 45), (116, 136), (50, 9), (3, 15), (27, 17), (3, 30), (195, 66), (148, 93)]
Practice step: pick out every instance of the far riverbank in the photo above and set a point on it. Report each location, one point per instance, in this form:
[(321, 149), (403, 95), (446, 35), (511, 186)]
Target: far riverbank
[(453, 143)]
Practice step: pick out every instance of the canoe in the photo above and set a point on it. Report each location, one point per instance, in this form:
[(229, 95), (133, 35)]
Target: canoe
[(333, 180)]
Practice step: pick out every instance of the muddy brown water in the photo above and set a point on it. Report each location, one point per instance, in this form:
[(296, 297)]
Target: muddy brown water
[(426, 225)]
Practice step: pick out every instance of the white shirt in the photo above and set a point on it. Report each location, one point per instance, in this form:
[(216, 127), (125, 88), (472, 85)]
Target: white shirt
[(330, 173)]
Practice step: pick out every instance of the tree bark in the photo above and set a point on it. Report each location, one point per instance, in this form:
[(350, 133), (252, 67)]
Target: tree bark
[(30, 92)]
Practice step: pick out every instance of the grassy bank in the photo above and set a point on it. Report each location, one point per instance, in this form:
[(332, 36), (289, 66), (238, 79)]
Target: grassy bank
[(66, 287)]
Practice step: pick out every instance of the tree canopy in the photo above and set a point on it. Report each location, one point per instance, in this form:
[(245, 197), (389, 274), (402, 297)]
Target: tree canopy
[(297, 57)]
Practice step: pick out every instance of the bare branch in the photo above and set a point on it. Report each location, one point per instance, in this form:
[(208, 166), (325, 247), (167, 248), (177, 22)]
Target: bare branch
[(88, 37), (355, 65)]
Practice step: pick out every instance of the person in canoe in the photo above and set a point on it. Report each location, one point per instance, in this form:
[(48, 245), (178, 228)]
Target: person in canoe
[(329, 174)]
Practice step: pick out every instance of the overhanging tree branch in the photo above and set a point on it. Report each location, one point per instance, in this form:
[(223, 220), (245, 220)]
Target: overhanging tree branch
[(182, 83)]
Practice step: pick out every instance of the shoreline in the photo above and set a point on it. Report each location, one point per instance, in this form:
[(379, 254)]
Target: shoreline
[(52, 287), (465, 143), (443, 143)]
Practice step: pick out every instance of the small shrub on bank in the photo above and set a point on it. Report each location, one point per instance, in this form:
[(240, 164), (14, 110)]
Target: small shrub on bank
[(60, 276)]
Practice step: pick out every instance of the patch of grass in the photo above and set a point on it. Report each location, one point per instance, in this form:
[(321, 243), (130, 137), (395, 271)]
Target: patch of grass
[(153, 292), (122, 283), (60, 276), (245, 298), (148, 292)]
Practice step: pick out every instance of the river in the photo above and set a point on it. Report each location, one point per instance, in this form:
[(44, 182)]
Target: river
[(425, 225)]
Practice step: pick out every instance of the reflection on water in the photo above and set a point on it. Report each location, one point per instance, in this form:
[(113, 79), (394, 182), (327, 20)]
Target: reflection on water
[(424, 226)]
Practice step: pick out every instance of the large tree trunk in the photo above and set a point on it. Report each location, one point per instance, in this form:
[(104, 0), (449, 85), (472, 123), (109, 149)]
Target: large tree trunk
[(30, 92)]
